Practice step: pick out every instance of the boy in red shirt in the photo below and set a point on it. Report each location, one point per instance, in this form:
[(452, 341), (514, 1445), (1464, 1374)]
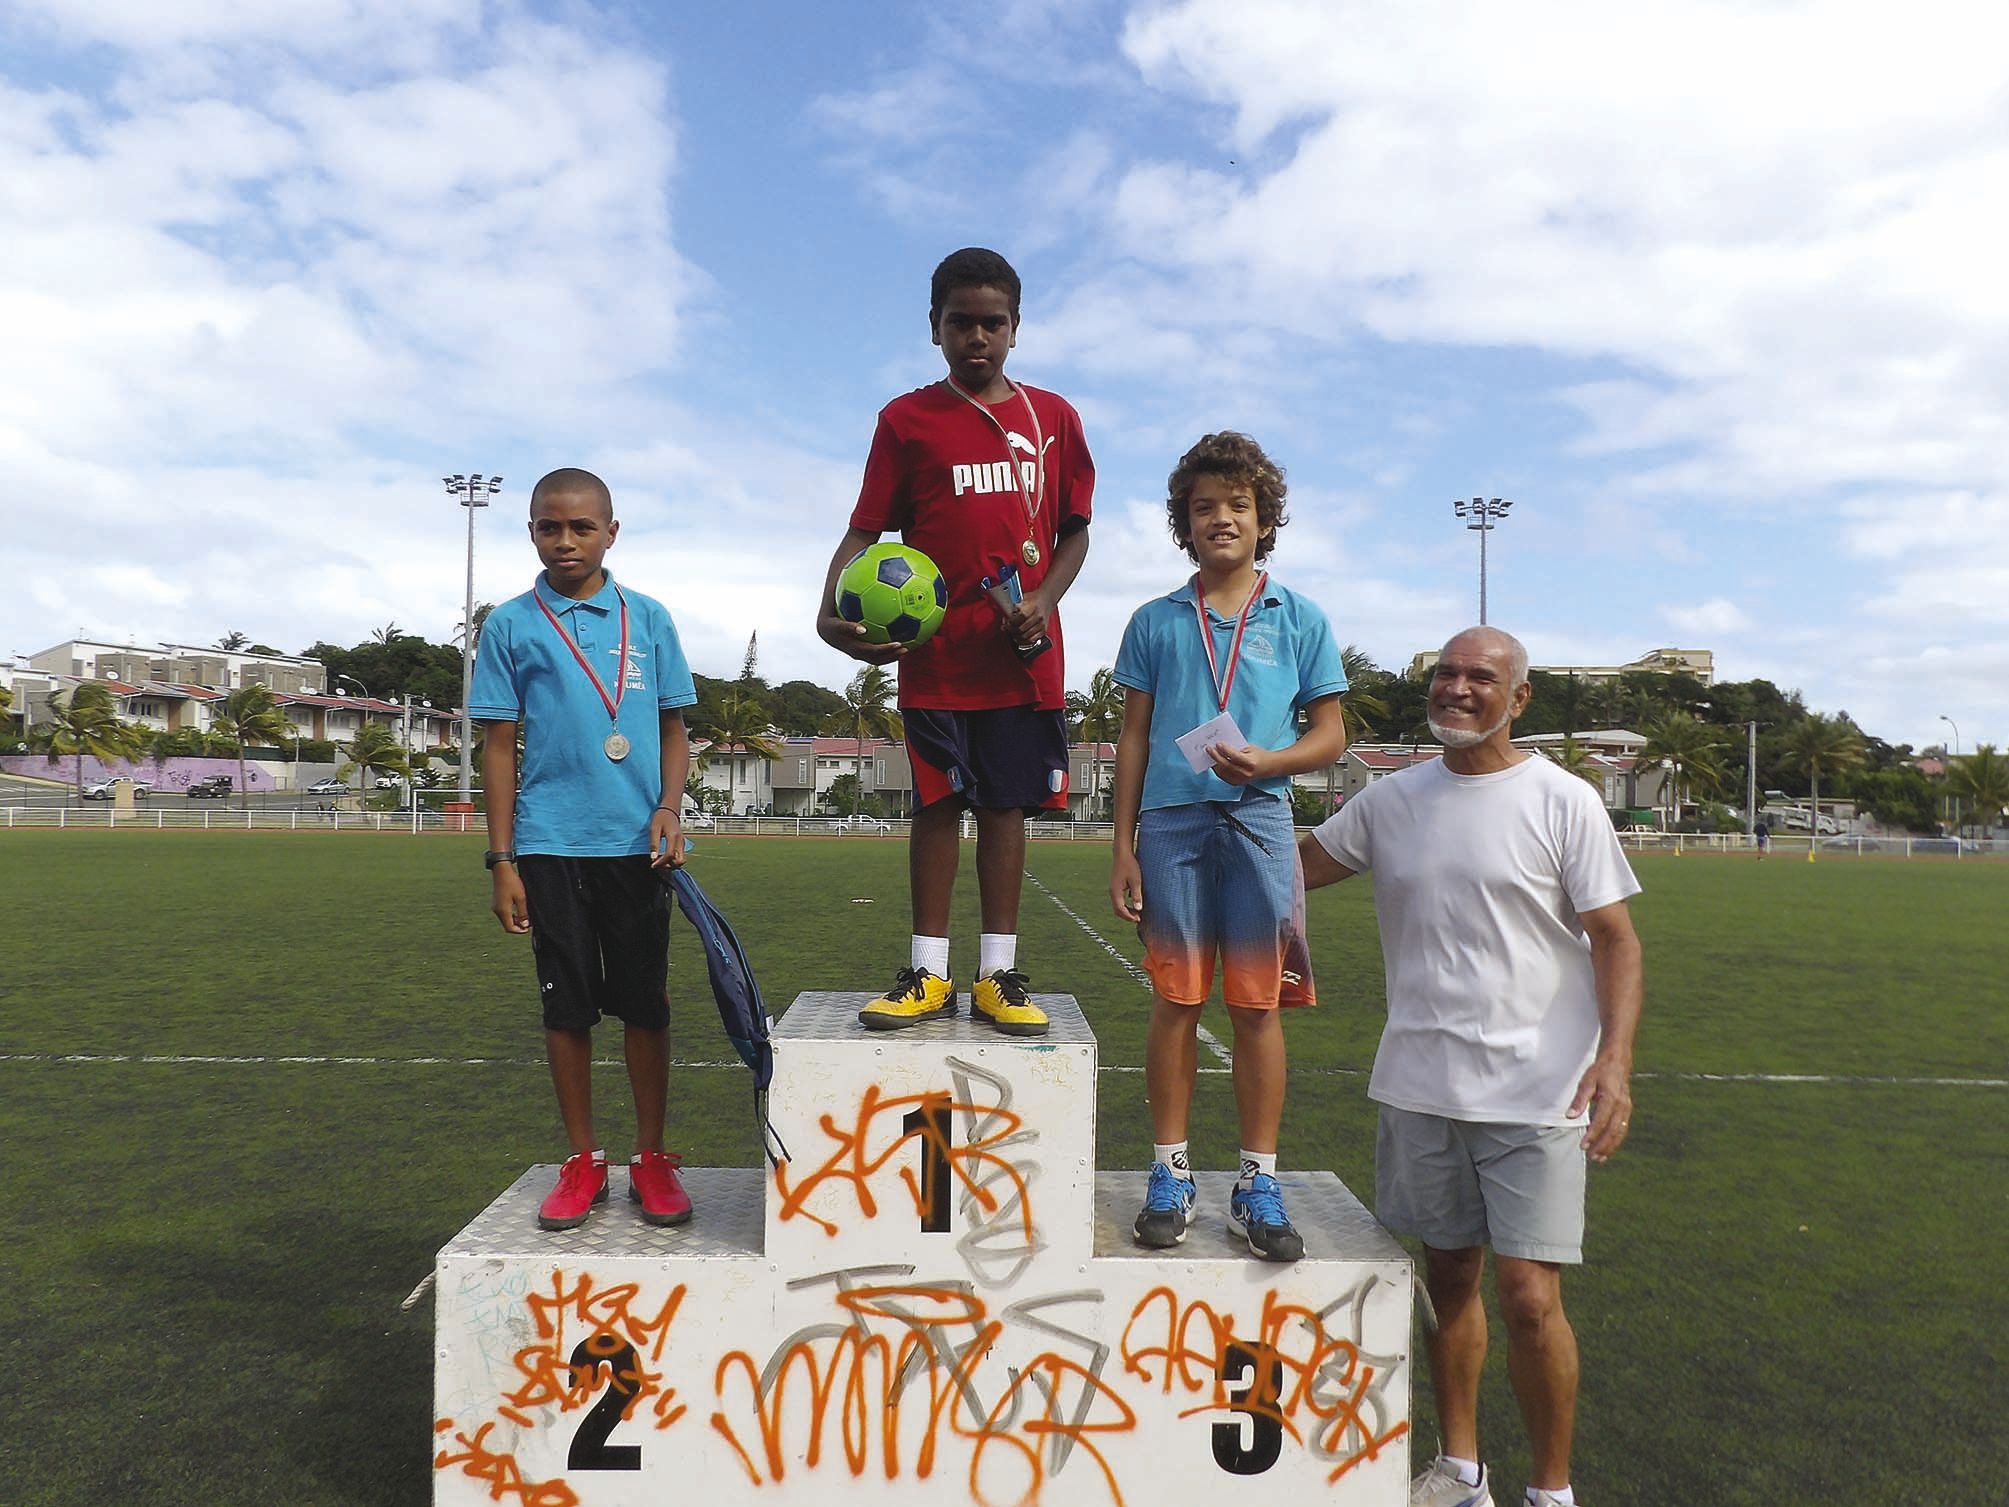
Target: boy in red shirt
[(985, 476)]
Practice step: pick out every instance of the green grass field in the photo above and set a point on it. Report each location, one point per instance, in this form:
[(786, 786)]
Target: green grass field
[(1796, 1290)]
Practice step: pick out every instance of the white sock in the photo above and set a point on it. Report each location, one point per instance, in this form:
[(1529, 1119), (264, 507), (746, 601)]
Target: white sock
[(1562, 1496), (995, 950), (1254, 1162), (931, 953), (1468, 1470), (1174, 1156)]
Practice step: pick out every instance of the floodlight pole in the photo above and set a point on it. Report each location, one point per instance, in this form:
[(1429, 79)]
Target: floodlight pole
[(1484, 513), (1955, 800), (1751, 781), (471, 492)]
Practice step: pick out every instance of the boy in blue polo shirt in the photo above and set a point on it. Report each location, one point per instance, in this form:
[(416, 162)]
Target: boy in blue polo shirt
[(595, 676), (1205, 857)]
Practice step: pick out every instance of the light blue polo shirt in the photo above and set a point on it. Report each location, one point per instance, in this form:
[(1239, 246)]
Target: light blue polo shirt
[(572, 799), (1288, 660)]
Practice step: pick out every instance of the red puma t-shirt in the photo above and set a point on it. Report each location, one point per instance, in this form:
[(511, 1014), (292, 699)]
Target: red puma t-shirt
[(939, 475)]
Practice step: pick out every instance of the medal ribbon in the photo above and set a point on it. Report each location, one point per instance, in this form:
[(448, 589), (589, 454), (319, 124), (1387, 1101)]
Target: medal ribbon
[(1032, 502), (1223, 687), (613, 702)]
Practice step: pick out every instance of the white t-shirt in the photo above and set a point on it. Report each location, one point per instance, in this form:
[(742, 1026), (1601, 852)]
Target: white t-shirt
[(1478, 882)]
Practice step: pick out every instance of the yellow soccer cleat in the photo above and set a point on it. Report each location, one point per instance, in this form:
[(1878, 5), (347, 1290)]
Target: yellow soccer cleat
[(1002, 996), (916, 995)]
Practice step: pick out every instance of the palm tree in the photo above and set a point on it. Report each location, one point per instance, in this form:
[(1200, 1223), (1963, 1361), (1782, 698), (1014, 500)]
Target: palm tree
[(1359, 707), (1098, 719), (373, 751), (739, 726), (232, 641), (1575, 758), (87, 722), (247, 715), (1816, 744), (868, 713), (481, 612), (390, 633), (1689, 746), (1981, 780)]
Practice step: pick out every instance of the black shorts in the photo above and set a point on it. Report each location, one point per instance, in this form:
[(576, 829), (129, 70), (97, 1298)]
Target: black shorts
[(600, 930), (999, 759)]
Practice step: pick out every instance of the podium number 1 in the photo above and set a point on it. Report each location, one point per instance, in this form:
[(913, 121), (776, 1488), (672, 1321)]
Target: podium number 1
[(931, 1122)]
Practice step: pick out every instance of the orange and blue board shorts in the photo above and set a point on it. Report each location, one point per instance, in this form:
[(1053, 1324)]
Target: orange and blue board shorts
[(1222, 881)]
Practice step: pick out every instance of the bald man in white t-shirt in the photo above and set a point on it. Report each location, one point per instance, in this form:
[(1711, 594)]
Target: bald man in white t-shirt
[(1514, 990)]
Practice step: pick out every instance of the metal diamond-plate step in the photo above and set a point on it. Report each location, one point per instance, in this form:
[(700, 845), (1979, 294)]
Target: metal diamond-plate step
[(1336, 1226), (726, 1218)]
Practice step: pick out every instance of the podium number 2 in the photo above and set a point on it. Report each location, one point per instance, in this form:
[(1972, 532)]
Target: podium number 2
[(590, 1449), (931, 1123), (1249, 1449)]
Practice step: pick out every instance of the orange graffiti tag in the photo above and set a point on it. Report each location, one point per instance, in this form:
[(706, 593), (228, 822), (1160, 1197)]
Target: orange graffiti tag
[(499, 1471), (1322, 1381), (613, 1331), (853, 1159), (862, 1384)]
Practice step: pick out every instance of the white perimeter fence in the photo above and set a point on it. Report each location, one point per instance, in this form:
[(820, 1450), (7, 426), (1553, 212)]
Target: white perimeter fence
[(288, 819)]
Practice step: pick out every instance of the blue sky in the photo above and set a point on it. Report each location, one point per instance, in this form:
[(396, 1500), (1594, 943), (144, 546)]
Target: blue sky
[(1711, 291)]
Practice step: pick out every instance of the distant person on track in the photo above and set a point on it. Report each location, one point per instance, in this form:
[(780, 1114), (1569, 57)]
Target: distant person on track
[(1514, 991), (595, 676), (1762, 831)]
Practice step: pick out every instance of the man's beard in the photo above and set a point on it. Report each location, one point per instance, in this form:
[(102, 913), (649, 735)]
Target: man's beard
[(1460, 737)]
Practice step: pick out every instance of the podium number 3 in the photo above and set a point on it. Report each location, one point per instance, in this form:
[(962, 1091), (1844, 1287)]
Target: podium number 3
[(1250, 1448), (930, 1123), (590, 1449)]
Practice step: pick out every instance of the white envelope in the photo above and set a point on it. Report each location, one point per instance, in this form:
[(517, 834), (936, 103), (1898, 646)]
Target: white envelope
[(1209, 734)]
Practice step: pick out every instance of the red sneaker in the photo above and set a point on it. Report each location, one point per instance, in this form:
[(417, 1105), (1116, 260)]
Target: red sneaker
[(582, 1183), (652, 1183)]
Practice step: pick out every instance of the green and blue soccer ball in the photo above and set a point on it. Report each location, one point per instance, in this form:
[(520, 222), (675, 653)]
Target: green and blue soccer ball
[(896, 592)]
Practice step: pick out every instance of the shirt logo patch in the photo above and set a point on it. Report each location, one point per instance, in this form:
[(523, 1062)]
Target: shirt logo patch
[(635, 680), (1258, 647)]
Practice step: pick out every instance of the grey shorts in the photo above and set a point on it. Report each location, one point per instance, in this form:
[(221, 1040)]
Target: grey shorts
[(1454, 1184)]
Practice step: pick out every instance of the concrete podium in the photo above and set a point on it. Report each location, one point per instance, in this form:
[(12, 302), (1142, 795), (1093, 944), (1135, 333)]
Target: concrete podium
[(937, 1299)]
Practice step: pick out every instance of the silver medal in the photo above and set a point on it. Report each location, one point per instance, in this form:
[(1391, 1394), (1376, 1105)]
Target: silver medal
[(617, 746)]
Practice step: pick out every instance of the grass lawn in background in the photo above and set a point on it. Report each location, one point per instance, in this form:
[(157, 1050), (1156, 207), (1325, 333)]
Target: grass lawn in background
[(1796, 1289)]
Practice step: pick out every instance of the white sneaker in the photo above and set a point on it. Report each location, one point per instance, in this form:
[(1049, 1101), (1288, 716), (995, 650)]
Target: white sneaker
[(1537, 1497), (1442, 1486)]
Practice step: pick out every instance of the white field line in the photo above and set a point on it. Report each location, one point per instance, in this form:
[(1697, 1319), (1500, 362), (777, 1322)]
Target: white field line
[(733, 1065), (1207, 1038)]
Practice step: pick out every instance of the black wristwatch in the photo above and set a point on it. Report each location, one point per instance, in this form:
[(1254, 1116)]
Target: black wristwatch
[(490, 860)]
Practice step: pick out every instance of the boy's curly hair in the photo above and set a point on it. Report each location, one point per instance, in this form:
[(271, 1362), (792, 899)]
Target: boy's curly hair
[(1235, 458), (972, 267)]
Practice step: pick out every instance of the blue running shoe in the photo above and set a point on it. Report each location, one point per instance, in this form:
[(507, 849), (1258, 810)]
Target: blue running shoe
[(1256, 1211), (1168, 1208)]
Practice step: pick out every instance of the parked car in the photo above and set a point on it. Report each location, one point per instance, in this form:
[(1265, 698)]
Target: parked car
[(697, 821), (104, 790), (215, 788), (328, 787), (389, 782), (863, 823)]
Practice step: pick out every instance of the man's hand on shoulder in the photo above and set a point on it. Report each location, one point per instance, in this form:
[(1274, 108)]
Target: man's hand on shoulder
[(849, 638)]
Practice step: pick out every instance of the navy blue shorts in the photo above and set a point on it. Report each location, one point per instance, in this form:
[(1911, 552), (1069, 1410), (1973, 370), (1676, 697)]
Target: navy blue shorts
[(1002, 758), (600, 930)]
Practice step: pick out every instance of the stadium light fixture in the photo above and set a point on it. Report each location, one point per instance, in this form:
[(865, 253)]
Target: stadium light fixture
[(1483, 514), (471, 492)]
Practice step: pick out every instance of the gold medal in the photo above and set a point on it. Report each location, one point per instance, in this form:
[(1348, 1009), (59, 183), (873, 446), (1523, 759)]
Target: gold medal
[(616, 746), (1029, 553)]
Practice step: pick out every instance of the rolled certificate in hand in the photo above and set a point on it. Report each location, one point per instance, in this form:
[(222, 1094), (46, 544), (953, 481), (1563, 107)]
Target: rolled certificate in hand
[(1005, 595)]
